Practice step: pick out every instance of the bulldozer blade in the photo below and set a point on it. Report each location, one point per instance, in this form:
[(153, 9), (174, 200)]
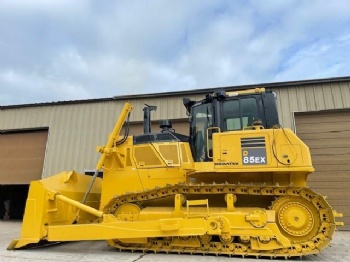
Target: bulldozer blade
[(40, 244), (44, 208), (12, 245)]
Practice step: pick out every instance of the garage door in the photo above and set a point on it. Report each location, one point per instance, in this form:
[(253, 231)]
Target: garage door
[(22, 156), (328, 136)]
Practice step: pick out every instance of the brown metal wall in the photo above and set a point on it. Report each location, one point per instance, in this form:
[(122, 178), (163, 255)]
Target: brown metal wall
[(311, 97), (22, 156), (328, 136), (74, 131)]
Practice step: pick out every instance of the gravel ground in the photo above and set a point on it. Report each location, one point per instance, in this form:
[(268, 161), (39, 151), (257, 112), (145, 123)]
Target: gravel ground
[(92, 251)]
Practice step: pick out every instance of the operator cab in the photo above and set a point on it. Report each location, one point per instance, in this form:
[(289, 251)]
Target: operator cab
[(225, 112)]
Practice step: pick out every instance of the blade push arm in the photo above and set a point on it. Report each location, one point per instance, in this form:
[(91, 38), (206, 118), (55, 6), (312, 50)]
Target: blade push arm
[(116, 131)]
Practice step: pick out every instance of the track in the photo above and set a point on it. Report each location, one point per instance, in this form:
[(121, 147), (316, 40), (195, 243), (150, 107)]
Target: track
[(309, 238)]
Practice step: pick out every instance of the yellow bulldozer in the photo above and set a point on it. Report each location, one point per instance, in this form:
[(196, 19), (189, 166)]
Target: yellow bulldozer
[(237, 185)]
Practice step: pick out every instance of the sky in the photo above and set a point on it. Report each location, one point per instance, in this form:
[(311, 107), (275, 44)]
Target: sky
[(61, 50)]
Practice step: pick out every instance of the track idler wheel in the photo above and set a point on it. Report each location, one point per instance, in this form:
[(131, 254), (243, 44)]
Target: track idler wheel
[(297, 218)]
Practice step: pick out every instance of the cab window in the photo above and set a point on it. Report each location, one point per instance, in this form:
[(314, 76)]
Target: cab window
[(239, 113), (201, 120)]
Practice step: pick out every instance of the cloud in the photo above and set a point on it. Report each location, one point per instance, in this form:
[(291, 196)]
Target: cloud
[(324, 57), (66, 50)]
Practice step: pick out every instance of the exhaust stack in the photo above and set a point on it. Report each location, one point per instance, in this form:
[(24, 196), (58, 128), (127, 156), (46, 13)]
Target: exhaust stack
[(147, 118)]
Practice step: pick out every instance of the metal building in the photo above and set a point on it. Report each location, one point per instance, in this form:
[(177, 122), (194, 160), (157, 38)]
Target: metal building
[(40, 140)]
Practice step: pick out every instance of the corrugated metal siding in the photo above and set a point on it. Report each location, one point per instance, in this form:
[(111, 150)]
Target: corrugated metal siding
[(167, 108), (311, 98), (74, 131)]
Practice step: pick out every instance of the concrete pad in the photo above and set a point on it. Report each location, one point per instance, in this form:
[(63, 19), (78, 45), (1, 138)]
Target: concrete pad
[(92, 251)]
